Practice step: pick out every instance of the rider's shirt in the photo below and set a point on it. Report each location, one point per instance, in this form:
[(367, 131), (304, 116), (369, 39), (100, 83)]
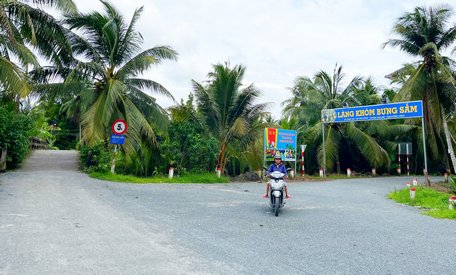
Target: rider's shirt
[(281, 168)]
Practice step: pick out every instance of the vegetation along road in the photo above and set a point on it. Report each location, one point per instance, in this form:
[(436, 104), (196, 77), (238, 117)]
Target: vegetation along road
[(56, 220)]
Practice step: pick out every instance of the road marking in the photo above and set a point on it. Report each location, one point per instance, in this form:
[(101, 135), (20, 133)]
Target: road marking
[(6, 225), (18, 215), (232, 191)]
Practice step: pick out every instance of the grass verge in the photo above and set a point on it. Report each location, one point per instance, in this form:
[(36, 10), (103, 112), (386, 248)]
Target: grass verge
[(191, 178), (432, 203)]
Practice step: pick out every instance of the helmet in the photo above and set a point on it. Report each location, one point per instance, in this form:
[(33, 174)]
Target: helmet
[(278, 155)]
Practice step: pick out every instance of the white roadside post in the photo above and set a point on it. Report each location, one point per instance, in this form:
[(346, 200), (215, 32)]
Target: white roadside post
[(412, 193), (219, 172), (113, 162), (171, 172), (451, 202)]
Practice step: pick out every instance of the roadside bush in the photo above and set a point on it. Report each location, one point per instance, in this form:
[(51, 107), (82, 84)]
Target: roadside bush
[(189, 148), (95, 158), (14, 135)]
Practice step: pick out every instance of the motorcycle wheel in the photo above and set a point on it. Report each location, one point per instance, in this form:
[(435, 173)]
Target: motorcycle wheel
[(276, 206)]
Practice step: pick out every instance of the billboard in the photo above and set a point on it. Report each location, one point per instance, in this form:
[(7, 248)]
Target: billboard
[(280, 140), (400, 110)]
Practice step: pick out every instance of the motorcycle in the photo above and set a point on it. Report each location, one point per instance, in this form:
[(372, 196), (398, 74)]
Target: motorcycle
[(277, 191)]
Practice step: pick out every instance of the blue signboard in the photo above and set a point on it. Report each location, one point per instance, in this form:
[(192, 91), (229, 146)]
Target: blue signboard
[(117, 139), (400, 110), (280, 140)]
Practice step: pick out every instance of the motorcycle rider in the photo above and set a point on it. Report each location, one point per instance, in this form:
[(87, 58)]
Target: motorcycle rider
[(277, 166)]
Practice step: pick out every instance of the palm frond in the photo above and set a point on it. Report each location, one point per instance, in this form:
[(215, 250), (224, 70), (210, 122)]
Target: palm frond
[(12, 79), (67, 6), (332, 142), (148, 107), (130, 39), (206, 105), (369, 148), (147, 84), (145, 60)]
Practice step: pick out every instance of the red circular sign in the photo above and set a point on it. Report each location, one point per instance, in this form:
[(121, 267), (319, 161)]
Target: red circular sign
[(119, 127)]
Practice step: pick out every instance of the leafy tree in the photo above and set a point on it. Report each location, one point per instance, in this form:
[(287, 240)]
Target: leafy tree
[(424, 33), (228, 108), (14, 135), (189, 147), (52, 126)]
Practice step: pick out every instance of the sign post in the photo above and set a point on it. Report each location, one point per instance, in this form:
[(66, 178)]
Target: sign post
[(118, 128), (303, 169)]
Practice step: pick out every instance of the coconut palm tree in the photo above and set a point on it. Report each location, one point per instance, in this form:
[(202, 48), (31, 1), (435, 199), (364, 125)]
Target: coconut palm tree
[(325, 91), (24, 24), (106, 77), (425, 33), (227, 107)]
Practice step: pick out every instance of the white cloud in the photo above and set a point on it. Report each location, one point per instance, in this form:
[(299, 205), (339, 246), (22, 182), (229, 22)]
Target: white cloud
[(276, 40)]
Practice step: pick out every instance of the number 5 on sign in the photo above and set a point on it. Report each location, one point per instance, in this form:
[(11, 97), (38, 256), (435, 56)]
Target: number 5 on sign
[(119, 127)]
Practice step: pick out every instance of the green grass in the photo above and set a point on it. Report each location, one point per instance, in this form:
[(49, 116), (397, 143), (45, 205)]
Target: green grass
[(190, 178), (433, 203)]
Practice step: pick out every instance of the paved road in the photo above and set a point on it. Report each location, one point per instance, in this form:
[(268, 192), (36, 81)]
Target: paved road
[(55, 220)]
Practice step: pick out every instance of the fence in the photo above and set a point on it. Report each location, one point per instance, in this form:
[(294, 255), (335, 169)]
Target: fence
[(37, 143)]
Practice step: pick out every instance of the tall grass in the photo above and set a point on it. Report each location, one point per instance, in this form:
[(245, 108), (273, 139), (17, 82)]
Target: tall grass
[(433, 203)]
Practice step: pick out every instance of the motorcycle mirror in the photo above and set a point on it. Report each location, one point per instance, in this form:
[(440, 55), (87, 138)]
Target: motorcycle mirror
[(288, 169)]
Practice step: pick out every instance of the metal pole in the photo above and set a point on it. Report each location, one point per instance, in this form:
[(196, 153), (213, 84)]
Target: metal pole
[(295, 174), (408, 159), (324, 150), (426, 176), (264, 153), (399, 159)]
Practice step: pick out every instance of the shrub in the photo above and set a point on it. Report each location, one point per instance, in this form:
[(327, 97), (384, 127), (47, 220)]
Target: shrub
[(189, 148), (14, 135), (95, 158)]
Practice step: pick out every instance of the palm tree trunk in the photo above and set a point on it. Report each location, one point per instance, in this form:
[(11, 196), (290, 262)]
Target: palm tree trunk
[(221, 158), (449, 142), (3, 152), (338, 164)]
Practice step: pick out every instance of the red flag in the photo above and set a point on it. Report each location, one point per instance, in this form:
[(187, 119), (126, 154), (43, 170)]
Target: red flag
[(272, 137)]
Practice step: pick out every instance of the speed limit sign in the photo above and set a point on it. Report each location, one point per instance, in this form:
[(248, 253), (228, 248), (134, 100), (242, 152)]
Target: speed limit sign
[(119, 127)]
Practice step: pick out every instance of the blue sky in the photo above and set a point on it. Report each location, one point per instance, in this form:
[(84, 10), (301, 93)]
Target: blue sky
[(277, 41)]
